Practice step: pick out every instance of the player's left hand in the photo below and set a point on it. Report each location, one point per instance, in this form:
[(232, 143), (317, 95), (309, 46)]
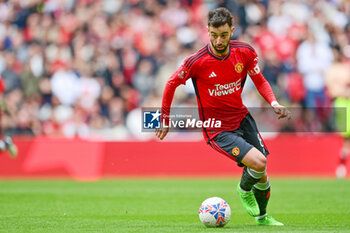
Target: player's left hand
[(162, 132), (281, 111)]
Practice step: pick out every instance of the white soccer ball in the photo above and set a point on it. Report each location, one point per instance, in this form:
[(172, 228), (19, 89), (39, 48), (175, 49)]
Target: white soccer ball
[(214, 212)]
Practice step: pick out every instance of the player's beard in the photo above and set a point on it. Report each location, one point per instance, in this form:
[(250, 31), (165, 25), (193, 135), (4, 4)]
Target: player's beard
[(220, 51)]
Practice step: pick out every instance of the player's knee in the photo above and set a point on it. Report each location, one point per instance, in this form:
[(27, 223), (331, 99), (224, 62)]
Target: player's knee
[(255, 160), (259, 163), (264, 178)]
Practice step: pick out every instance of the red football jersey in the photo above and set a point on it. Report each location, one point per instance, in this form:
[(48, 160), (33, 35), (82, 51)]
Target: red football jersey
[(218, 82)]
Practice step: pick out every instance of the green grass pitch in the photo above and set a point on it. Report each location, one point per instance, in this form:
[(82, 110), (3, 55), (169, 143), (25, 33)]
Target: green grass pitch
[(166, 205)]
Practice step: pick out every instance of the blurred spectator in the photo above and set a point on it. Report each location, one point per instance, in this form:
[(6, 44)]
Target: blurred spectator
[(338, 84), (10, 75), (65, 86), (314, 58), (144, 78)]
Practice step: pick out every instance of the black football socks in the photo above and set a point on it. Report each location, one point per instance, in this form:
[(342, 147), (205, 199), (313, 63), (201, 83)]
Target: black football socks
[(262, 195), (249, 178)]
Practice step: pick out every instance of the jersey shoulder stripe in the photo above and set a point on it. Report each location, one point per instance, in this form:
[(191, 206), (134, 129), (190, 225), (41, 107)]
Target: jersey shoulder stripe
[(197, 58), (236, 44), (192, 59), (193, 56)]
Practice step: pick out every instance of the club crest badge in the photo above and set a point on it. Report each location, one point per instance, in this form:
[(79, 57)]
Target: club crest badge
[(235, 151), (239, 67)]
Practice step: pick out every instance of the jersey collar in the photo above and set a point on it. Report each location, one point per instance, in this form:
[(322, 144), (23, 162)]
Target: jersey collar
[(221, 58)]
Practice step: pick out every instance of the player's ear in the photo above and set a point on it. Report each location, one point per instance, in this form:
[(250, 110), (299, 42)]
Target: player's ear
[(232, 29)]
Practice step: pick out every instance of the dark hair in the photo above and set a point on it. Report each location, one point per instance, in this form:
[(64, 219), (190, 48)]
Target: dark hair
[(219, 16)]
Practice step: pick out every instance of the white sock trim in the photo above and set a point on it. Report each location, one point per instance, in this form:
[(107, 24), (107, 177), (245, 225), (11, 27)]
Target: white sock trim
[(262, 186), (255, 174), (261, 216)]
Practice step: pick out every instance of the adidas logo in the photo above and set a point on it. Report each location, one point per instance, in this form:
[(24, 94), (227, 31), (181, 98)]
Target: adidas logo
[(212, 75)]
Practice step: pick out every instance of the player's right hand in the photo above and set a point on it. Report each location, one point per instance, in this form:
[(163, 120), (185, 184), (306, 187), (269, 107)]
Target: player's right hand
[(162, 132), (281, 111)]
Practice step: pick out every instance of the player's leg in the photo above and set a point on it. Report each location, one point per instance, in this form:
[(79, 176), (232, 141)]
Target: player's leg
[(254, 160), (254, 170), (254, 178), (344, 153), (2, 146), (2, 143), (342, 110), (261, 192), (7, 144), (234, 146), (262, 188), (10, 146)]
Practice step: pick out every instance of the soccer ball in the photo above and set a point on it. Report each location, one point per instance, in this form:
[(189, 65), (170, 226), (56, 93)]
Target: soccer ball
[(214, 212)]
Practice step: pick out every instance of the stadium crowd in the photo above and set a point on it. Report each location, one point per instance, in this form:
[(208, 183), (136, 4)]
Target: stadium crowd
[(87, 67)]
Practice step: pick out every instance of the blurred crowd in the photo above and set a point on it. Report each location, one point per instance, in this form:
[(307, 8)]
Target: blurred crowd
[(87, 67)]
